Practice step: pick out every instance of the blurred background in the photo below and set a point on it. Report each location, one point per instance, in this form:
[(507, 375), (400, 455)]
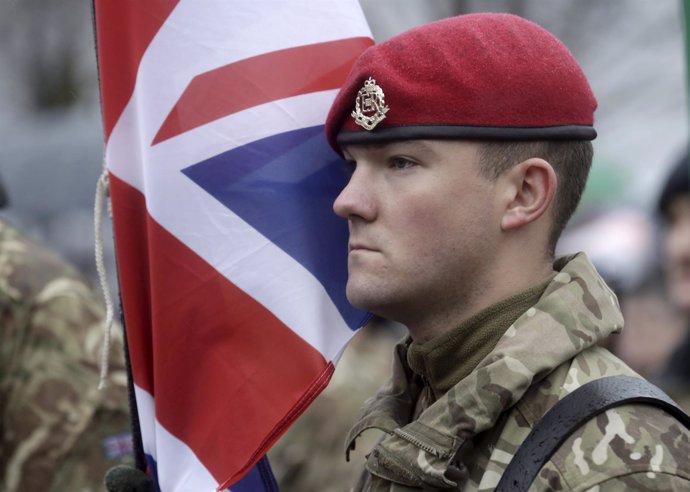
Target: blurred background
[(633, 52)]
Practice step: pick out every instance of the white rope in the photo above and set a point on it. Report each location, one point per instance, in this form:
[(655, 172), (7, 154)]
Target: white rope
[(102, 195)]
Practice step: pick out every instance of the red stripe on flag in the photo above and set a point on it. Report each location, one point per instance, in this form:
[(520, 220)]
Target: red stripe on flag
[(259, 80), (131, 234), (224, 371), (124, 29)]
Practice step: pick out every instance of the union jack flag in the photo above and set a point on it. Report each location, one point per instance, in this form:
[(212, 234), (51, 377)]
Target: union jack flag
[(232, 265)]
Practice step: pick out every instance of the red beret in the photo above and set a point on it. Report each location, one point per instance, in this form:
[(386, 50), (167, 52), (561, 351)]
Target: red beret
[(476, 76)]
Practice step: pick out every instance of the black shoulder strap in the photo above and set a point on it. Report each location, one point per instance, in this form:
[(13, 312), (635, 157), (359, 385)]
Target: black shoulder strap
[(570, 413)]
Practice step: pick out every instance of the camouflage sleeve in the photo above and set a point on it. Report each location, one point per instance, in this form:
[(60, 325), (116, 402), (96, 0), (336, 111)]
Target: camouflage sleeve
[(632, 447), (58, 431)]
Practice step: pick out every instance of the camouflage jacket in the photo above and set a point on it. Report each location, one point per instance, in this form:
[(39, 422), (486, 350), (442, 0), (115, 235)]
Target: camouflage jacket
[(58, 432), (465, 439)]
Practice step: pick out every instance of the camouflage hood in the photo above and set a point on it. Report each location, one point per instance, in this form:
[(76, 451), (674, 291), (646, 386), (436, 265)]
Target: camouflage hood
[(576, 311)]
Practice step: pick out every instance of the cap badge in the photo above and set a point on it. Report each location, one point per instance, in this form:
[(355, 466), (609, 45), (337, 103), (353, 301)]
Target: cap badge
[(370, 107)]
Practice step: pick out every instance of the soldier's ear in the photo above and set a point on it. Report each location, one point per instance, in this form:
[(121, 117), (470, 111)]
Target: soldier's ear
[(530, 188)]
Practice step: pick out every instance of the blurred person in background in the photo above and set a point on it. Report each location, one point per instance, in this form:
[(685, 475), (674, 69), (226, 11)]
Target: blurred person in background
[(674, 208), (58, 431), (621, 242)]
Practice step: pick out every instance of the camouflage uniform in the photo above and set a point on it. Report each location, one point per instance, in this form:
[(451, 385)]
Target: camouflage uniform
[(58, 431), (464, 438)]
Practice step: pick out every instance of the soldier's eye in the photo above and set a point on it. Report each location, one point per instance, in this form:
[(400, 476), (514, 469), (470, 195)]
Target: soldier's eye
[(402, 163)]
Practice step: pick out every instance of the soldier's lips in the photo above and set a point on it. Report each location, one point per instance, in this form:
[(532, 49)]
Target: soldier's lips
[(356, 247)]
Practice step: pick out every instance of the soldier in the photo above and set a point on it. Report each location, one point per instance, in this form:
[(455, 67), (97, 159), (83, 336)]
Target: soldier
[(469, 143), (59, 432)]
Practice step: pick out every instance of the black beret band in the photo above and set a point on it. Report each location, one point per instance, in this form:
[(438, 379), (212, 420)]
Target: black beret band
[(445, 132)]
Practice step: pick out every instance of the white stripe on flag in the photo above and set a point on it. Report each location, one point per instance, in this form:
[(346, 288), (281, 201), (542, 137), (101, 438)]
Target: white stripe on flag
[(179, 470)]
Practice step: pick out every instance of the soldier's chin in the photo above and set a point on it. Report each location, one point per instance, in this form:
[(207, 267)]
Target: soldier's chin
[(359, 301), (366, 299)]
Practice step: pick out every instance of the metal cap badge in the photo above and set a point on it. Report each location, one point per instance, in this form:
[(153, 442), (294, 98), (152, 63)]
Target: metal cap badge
[(370, 107)]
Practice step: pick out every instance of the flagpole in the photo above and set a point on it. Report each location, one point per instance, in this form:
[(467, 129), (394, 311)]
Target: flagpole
[(137, 442)]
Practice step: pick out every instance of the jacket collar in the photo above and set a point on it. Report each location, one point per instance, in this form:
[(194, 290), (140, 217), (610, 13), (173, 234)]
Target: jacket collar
[(447, 359)]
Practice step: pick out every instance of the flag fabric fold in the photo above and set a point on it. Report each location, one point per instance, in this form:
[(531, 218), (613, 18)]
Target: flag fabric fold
[(231, 263)]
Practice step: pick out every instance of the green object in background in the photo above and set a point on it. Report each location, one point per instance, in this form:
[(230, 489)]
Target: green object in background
[(605, 182)]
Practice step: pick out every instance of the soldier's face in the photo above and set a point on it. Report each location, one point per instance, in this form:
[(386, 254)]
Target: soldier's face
[(422, 226), (677, 252)]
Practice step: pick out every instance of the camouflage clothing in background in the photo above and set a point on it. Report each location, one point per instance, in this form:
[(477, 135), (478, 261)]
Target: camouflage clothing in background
[(464, 439), (309, 457), (58, 431)]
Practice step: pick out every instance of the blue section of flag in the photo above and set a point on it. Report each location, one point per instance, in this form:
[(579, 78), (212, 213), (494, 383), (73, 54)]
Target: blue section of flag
[(259, 479), (153, 470), (284, 186)]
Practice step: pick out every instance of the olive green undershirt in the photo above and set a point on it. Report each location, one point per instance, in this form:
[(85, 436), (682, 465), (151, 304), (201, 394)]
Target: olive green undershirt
[(447, 359)]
